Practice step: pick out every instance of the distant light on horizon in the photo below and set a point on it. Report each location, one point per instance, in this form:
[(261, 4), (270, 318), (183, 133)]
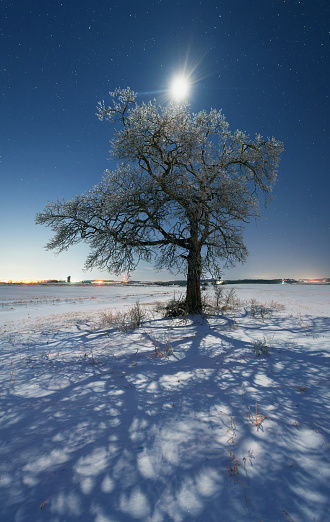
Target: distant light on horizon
[(24, 281), (124, 280)]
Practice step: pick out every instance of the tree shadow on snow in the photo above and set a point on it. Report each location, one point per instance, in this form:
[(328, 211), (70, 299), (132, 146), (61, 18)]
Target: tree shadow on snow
[(109, 430)]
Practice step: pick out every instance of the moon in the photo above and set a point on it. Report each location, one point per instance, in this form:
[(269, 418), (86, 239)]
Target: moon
[(179, 88)]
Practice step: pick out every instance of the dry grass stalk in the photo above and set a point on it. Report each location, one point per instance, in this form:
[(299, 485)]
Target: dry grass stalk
[(243, 487), (257, 420), (124, 320)]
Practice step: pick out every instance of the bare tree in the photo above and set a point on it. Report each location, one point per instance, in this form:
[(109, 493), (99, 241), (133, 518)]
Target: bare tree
[(180, 197)]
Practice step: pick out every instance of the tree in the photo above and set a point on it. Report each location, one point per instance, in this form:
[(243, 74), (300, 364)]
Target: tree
[(180, 197)]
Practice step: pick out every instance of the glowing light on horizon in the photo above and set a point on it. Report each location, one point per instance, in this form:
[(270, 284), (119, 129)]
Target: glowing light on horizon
[(24, 281)]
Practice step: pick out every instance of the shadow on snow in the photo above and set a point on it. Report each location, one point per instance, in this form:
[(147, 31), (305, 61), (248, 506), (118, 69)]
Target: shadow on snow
[(95, 427)]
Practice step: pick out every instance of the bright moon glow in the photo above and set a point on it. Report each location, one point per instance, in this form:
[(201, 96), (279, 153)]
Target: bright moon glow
[(179, 88)]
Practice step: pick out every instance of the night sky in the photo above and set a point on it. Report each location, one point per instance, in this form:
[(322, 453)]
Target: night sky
[(265, 63)]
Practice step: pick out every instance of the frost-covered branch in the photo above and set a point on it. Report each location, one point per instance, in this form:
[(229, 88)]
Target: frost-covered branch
[(184, 190)]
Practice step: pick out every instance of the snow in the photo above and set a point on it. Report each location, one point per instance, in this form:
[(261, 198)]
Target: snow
[(97, 425)]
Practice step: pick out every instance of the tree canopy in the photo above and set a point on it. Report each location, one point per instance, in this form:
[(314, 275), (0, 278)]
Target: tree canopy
[(182, 191)]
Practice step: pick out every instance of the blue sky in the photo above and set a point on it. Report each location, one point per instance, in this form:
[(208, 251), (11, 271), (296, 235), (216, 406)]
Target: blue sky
[(266, 64)]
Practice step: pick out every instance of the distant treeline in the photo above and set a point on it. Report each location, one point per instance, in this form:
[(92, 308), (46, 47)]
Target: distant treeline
[(232, 282), (258, 281)]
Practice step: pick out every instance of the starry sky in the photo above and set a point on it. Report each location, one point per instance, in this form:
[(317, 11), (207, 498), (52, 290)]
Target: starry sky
[(265, 63)]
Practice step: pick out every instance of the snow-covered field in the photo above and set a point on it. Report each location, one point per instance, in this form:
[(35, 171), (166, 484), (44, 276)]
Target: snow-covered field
[(96, 425)]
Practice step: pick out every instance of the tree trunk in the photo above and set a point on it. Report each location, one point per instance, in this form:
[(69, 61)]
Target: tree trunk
[(194, 296)]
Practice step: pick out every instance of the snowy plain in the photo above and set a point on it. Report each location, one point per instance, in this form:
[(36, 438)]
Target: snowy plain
[(96, 425)]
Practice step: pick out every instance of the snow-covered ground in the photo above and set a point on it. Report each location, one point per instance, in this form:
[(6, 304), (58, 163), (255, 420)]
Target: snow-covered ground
[(97, 425)]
